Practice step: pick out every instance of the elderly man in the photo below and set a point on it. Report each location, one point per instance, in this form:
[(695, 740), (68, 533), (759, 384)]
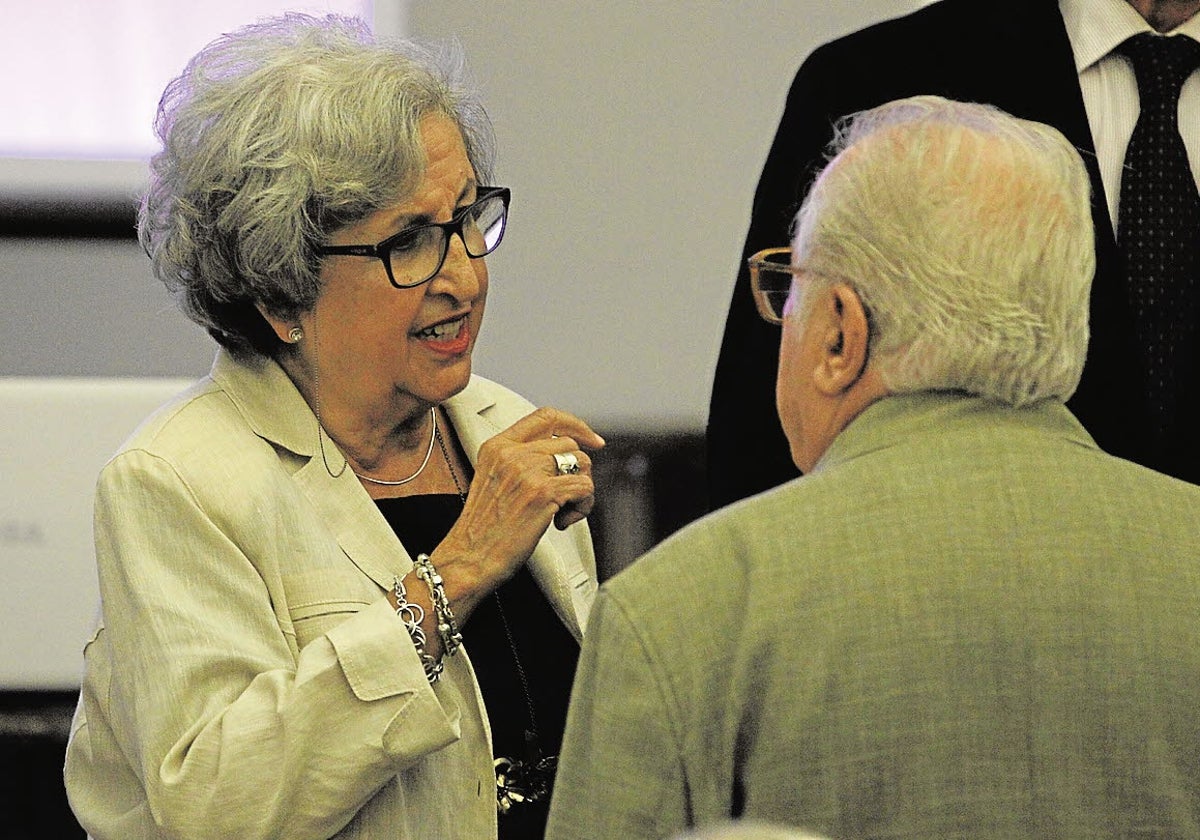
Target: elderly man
[(1076, 65), (965, 620)]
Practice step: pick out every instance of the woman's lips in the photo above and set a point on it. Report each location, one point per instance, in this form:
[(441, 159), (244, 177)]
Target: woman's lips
[(449, 337)]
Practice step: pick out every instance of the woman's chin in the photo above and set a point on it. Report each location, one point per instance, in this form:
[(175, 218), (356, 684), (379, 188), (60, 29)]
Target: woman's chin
[(450, 380)]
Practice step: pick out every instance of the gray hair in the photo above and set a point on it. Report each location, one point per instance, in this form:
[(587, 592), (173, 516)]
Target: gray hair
[(967, 233), (275, 136)]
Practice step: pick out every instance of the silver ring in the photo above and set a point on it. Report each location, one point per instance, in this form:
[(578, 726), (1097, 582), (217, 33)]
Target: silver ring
[(566, 464)]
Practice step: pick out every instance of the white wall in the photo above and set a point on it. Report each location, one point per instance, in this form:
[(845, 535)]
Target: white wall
[(91, 308), (632, 134)]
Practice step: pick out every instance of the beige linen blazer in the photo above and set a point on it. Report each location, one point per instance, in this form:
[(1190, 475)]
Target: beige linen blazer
[(247, 677)]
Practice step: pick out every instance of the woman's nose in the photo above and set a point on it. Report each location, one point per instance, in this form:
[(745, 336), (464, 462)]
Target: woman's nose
[(459, 274)]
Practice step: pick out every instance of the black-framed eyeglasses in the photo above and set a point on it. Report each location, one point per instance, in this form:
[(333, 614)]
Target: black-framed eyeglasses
[(415, 255), (771, 277)]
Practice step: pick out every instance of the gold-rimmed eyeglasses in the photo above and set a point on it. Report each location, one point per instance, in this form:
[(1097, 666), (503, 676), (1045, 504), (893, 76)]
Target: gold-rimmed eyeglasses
[(771, 278)]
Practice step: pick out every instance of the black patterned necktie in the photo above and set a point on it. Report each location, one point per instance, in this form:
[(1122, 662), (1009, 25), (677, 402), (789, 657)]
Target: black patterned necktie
[(1158, 226)]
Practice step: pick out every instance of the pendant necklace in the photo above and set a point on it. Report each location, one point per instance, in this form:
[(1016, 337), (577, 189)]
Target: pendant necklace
[(517, 780)]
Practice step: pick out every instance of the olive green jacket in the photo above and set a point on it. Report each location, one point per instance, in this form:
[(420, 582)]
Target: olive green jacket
[(967, 621)]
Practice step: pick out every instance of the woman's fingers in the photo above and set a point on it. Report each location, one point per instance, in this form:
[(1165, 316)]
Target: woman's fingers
[(548, 423), (561, 459), (549, 473), (525, 478), (565, 457), (574, 511), (567, 465)]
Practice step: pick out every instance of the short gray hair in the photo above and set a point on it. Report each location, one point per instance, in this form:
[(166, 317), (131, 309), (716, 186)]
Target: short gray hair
[(275, 136), (968, 235)]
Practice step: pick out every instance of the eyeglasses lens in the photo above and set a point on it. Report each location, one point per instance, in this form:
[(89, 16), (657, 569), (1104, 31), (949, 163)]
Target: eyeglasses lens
[(418, 255), (484, 226), (775, 281)]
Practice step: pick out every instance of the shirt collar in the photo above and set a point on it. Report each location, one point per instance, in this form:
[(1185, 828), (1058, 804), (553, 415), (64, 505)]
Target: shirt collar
[(1097, 27), (1190, 27)]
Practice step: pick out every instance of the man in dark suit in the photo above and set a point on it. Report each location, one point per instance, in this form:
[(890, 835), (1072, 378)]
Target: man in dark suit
[(1016, 55)]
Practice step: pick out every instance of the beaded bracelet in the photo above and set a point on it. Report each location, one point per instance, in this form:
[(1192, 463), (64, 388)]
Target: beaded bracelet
[(411, 615), (447, 627)]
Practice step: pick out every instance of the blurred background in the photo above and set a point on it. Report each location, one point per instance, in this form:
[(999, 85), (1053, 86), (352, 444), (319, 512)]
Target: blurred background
[(632, 134)]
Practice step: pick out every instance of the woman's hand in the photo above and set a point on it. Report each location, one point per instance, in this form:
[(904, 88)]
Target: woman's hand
[(516, 493)]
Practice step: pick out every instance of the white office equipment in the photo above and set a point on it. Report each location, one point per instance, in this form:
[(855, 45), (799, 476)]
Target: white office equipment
[(55, 435)]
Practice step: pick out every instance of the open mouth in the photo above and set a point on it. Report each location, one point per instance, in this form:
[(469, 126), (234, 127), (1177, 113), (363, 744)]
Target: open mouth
[(449, 338), (447, 331)]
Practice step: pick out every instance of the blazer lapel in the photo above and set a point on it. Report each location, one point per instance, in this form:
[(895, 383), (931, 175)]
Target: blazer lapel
[(277, 412), (558, 572), (1017, 56), (1045, 87), (362, 532), (1109, 398)]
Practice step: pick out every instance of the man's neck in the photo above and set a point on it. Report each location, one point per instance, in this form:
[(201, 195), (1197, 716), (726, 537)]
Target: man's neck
[(1165, 15)]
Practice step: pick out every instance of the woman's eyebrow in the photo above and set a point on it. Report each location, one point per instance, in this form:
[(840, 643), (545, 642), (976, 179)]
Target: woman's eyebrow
[(403, 221)]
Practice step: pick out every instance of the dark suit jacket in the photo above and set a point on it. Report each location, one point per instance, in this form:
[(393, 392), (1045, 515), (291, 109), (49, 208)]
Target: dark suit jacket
[(1014, 55)]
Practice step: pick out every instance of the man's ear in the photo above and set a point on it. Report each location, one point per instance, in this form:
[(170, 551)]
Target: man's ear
[(847, 341)]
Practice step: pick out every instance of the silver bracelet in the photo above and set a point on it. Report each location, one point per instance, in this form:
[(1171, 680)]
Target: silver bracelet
[(411, 615), (447, 627)]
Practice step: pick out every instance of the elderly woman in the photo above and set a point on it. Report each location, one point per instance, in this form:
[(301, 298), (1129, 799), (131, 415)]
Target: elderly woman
[(332, 603)]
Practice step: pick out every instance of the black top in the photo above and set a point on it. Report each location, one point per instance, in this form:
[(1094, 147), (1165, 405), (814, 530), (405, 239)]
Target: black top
[(548, 652)]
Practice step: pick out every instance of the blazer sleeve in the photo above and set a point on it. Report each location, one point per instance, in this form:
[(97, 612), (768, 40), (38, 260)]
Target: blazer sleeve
[(231, 730)]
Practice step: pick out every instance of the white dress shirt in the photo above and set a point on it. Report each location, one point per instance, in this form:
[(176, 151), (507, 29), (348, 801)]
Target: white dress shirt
[(1096, 28)]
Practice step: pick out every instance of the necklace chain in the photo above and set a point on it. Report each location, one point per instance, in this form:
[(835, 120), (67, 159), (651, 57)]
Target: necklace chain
[(432, 437), (529, 783), (533, 729), (462, 496)]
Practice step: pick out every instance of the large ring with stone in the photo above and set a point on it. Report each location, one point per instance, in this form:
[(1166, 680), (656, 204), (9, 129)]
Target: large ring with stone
[(566, 464)]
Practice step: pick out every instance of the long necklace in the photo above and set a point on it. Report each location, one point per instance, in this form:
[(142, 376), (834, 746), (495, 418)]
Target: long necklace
[(517, 780), (432, 437)]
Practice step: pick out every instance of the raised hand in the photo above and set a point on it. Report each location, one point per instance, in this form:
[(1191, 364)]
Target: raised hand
[(518, 489)]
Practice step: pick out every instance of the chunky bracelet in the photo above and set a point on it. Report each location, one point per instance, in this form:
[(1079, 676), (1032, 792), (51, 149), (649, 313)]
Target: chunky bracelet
[(411, 615), (447, 627)]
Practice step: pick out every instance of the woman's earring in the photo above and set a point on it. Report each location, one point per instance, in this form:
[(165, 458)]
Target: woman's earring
[(295, 334)]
